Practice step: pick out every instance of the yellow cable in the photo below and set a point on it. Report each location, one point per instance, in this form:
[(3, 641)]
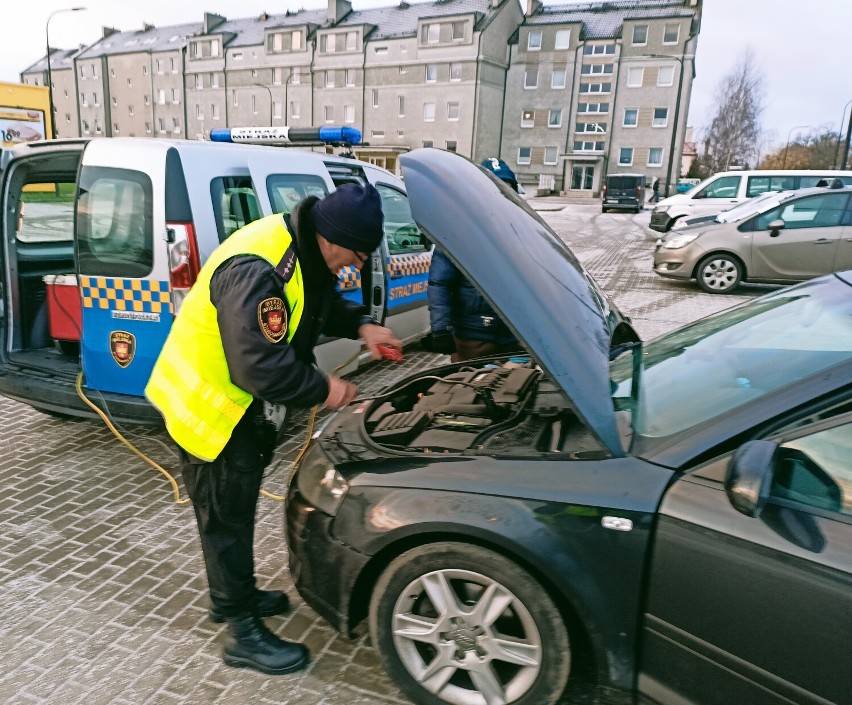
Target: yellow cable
[(156, 466)]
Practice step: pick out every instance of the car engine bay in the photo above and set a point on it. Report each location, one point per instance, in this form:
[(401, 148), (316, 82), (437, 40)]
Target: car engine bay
[(495, 407)]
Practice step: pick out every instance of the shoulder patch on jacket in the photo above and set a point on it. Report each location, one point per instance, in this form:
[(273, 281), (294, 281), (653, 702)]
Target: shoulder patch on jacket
[(272, 319)]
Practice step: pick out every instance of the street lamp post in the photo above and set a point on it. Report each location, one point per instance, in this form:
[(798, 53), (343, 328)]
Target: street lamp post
[(787, 146), (50, 104), (840, 137), (679, 59), (267, 89)]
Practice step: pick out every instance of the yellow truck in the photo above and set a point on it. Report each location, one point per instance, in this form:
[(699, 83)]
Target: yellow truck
[(24, 114)]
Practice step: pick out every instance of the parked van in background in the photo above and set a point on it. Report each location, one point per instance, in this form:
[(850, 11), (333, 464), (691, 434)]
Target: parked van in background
[(623, 192), (104, 238), (728, 188)]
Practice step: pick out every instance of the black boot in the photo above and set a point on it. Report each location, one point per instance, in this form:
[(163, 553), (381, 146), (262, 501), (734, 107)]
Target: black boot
[(267, 604), (249, 644)]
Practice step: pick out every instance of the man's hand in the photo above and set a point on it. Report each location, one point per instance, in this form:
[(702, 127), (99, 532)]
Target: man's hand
[(374, 336), (340, 393)]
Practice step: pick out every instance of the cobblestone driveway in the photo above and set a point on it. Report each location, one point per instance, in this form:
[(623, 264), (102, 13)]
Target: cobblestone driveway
[(101, 583)]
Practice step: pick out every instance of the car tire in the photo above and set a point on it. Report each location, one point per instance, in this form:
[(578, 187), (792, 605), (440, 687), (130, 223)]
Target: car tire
[(719, 273), (448, 653)]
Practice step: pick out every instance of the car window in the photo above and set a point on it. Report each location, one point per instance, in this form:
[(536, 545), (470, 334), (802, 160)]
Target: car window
[(286, 190), (234, 203), (401, 232), (761, 184), (718, 364), (623, 183), (723, 187), (814, 469), (115, 223), (819, 211), (46, 213)]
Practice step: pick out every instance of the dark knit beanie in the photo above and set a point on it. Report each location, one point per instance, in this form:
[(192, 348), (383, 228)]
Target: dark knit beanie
[(351, 217)]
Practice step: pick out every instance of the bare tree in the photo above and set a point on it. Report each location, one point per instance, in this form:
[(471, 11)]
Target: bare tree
[(733, 135)]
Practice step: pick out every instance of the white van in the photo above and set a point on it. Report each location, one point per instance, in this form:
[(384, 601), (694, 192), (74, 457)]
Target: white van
[(104, 237), (728, 188)]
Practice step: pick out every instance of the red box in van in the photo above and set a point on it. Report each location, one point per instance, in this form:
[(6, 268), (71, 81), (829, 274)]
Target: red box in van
[(64, 310)]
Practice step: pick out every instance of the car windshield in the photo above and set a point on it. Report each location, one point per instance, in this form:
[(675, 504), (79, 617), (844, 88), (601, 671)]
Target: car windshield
[(725, 361), (764, 202)]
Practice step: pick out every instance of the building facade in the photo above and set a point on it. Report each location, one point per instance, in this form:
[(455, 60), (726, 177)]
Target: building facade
[(564, 93)]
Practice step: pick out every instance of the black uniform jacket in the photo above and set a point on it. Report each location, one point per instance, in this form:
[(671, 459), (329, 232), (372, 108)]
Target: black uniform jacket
[(281, 372)]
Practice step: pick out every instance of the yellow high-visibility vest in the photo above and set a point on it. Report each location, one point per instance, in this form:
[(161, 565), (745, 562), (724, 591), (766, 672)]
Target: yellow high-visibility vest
[(190, 384)]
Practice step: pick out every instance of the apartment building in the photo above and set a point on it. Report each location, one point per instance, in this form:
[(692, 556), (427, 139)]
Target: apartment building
[(565, 94)]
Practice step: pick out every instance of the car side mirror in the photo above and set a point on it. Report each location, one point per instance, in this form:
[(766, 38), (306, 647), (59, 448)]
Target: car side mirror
[(775, 227), (749, 477)]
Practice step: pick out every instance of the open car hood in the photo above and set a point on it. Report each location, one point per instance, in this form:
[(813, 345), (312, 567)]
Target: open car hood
[(525, 271)]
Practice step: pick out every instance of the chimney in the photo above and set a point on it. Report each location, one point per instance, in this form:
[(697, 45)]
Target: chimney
[(211, 21), (337, 10), (533, 6), (108, 32), (147, 27)]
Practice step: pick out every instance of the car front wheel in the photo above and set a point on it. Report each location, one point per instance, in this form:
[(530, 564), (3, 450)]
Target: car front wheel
[(461, 625), (719, 274)]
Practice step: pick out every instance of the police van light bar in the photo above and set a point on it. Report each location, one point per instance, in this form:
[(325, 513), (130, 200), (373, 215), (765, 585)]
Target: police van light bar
[(287, 135)]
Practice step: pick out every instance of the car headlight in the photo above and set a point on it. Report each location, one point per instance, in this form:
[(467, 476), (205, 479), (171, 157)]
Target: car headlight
[(319, 482), (675, 243), (661, 209)]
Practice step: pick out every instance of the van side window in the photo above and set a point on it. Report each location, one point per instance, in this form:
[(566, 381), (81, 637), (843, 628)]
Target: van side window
[(286, 190), (723, 187), (45, 213), (761, 184), (114, 223), (234, 203), (401, 232)]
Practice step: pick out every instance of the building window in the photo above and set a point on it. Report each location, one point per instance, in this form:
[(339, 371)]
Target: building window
[(199, 80), (586, 146), (666, 76), (328, 113), (563, 37), (296, 41), (144, 71), (351, 41), (427, 143), (524, 155), (527, 118), (295, 77), (655, 156), (175, 96), (400, 134), (596, 69), (111, 73), (348, 113), (599, 127), (458, 31), (380, 51), (276, 108), (146, 99), (199, 115), (161, 96), (400, 106), (534, 41), (455, 71), (557, 78), (172, 65), (94, 71), (598, 49), (377, 134), (433, 33), (429, 112), (129, 83), (375, 94), (114, 102), (254, 105), (329, 79), (234, 99), (631, 117), (350, 77), (214, 111), (602, 108), (254, 73), (95, 100), (148, 128), (635, 76), (453, 111), (158, 66), (85, 126), (550, 155), (403, 70), (554, 118), (531, 78), (295, 109), (661, 117), (595, 87), (625, 156), (214, 80), (671, 33), (431, 73), (175, 126), (237, 56), (640, 35), (161, 125), (277, 73), (68, 118)]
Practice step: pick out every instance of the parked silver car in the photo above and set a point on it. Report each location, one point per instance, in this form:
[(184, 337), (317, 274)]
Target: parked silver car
[(780, 238)]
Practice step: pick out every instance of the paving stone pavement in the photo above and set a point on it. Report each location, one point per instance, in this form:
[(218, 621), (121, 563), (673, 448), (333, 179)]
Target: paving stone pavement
[(102, 594)]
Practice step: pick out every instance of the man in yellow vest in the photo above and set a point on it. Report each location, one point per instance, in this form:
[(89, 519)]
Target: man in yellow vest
[(245, 335)]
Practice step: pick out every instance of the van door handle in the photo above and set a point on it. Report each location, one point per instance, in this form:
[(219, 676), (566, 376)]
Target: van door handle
[(823, 241)]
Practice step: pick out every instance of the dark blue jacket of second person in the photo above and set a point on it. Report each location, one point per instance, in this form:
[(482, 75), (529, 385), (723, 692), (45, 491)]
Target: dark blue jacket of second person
[(456, 305)]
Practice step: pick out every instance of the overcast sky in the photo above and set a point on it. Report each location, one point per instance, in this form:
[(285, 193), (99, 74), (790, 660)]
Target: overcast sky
[(801, 48)]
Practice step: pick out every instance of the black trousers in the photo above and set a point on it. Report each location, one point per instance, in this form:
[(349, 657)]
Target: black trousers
[(224, 496)]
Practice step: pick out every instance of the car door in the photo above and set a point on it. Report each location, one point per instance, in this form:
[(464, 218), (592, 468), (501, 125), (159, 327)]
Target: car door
[(756, 609), (720, 194), (805, 247), (843, 253)]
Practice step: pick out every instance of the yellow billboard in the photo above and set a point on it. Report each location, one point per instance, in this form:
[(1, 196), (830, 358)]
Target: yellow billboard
[(24, 113)]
